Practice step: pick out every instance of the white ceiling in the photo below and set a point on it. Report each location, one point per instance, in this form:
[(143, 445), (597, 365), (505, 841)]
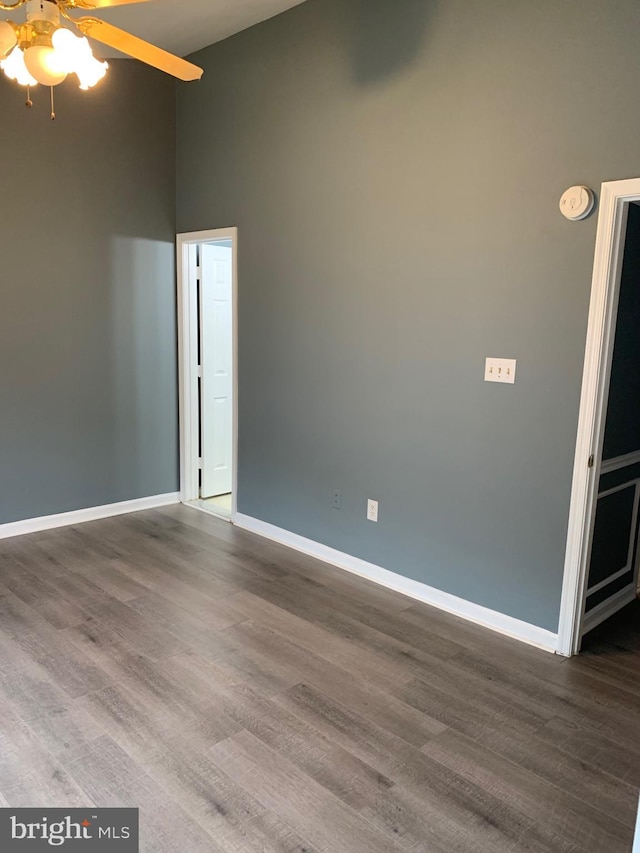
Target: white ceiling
[(183, 26)]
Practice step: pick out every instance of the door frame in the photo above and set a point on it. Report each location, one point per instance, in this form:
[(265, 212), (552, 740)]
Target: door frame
[(188, 373), (614, 202)]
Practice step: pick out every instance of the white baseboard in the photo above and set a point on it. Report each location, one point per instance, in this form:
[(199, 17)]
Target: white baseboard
[(500, 622), (79, 516)]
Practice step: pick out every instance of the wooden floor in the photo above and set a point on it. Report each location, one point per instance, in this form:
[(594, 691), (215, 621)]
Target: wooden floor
[(247, 698)]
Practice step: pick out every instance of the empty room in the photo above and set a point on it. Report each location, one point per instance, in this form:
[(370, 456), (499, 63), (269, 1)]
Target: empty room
[(320, 426)]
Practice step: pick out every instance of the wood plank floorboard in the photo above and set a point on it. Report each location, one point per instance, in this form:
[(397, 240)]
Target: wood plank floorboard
[(249, 699)]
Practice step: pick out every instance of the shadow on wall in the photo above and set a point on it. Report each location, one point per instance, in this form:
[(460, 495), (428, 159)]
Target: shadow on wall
[(143, 369), (386, 35)]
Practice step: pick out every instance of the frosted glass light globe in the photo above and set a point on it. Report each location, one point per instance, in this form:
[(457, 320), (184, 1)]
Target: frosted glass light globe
[(91, 72), (43, 64), (65, 42), (75, 56), (15, 69), (8, 39)]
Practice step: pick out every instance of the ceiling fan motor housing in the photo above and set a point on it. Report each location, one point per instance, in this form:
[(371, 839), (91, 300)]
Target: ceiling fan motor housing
[(43, 10)]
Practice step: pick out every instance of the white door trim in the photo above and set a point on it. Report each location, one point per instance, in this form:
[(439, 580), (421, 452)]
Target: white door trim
[(188, 360), (636, 841), (614, 200)]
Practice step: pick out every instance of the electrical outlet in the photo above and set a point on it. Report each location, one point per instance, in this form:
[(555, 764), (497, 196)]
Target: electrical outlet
[(500, 370), (336, 499), (372, 510)]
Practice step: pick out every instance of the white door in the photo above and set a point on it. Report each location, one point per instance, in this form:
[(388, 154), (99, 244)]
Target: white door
[(217, 368)]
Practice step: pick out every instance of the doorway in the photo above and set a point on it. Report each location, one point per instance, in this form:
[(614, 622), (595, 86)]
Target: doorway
[(207, 321), (602, 557)]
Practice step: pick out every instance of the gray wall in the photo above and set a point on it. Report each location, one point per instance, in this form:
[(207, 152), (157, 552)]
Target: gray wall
[(394, 168), (87, 316)]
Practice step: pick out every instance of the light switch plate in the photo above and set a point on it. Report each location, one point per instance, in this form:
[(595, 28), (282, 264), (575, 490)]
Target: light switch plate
[(500, 370)]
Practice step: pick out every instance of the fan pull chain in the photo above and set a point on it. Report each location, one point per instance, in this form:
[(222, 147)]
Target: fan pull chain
[(28, 103), (53, 108)]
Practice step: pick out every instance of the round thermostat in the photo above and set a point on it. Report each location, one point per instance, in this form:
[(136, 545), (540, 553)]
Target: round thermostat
[(577, 203)]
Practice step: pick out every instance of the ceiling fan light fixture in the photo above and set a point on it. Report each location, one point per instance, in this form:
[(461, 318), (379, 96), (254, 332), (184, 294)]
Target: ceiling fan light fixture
[(44, 65), (76, 57), (15, 69), (8, 38), (40, 50), (91, 73)]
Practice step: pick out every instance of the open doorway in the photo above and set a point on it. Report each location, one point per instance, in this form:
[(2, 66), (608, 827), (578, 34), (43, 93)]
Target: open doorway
[(612, 579), (602, 560), (207, 317)]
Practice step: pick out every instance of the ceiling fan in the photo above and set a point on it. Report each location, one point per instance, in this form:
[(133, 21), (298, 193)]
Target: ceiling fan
[(41, 50)]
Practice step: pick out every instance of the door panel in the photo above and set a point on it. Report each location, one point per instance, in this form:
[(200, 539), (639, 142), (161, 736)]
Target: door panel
[(217, 368), (612, 580), (612, 535), (614, 551)]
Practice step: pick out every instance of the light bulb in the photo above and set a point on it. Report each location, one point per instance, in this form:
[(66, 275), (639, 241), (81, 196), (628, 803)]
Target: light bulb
[(44, 64), (68, 45), (75, 56), (91, 72), (8, 38), (15, 69)]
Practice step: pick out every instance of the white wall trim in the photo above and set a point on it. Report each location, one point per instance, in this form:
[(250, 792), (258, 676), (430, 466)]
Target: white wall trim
[(79, 516), (607, 608), (614, 199), (608, 580), (609, 465), (628, 484), (499, 622), (636, 841), (188, 360)]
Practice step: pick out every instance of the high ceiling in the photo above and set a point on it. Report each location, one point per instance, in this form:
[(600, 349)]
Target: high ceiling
[(183, 26)]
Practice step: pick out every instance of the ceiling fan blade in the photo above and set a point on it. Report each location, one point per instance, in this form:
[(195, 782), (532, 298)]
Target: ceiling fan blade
[(98, 4), (138, 49)]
